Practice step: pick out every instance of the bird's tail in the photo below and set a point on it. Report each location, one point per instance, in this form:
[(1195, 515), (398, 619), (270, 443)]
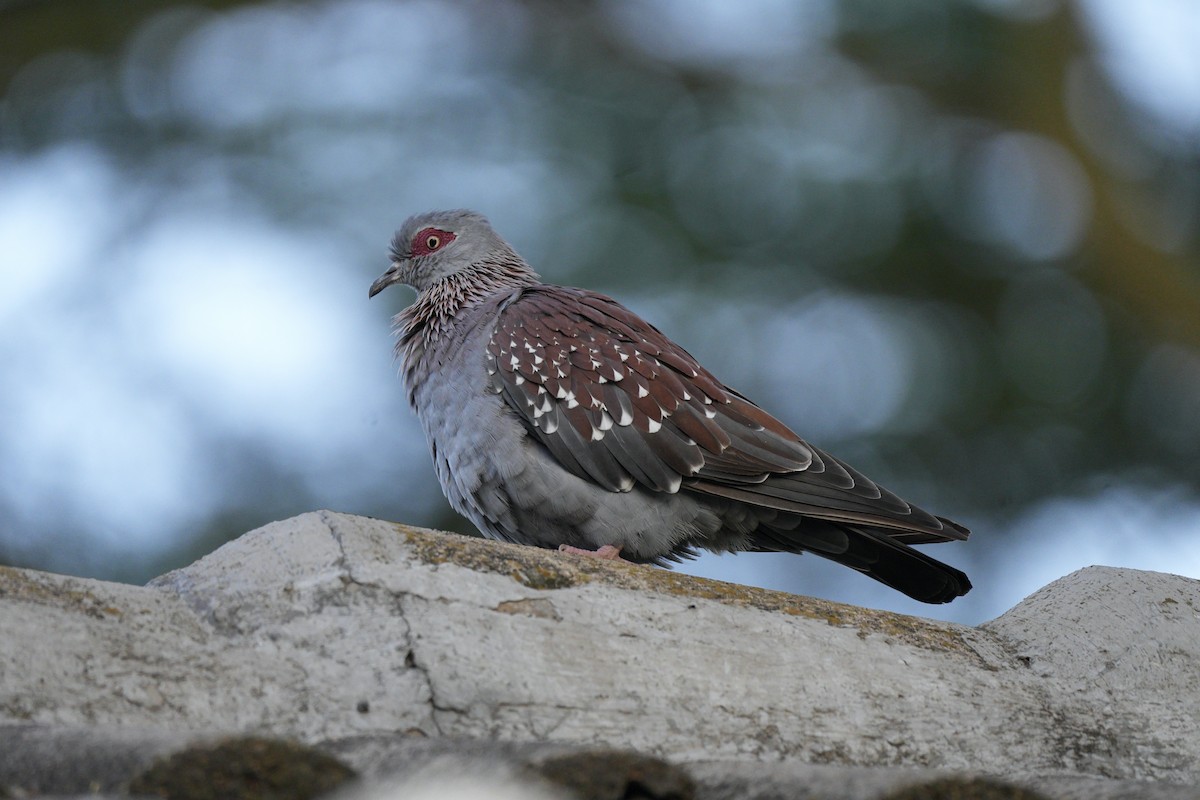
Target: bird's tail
[(873, 552)]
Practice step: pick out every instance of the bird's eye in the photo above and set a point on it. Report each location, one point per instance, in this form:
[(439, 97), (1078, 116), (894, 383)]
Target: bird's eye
[(430, 240)]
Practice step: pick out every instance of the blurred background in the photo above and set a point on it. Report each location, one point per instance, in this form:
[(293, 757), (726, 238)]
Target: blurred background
[(955, 243)]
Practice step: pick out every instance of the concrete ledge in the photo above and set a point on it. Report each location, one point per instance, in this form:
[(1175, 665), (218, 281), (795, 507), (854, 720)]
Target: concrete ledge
[(329, 626)]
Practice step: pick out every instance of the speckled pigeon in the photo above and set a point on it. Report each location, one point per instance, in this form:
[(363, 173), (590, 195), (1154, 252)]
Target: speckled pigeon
[(559, 418)]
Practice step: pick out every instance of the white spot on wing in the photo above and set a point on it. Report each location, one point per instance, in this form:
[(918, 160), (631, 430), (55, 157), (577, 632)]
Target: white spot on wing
[(655, 426)]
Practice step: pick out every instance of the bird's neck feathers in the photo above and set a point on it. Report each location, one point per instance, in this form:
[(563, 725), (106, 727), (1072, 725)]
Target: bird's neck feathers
[(432, 314), (443, 300)]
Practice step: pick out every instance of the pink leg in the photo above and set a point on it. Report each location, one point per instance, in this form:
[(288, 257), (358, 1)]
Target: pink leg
[(608, 552)]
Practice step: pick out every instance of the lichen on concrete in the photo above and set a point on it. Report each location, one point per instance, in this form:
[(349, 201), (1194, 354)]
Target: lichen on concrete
[(19, 584), (513, 560), (549, 570)]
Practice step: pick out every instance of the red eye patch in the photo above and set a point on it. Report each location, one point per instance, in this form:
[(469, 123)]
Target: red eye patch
[(429, 240)]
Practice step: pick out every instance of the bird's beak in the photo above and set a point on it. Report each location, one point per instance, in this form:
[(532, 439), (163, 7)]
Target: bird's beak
[(386, 279)]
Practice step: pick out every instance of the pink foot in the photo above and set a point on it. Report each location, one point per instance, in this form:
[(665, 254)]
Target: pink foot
[(608, 552)]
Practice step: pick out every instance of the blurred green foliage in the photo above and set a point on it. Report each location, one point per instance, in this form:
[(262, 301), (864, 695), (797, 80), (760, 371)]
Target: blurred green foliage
[(970, 173)]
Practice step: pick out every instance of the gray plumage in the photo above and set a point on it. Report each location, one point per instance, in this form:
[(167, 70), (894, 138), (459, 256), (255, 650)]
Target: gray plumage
[(556, 416)]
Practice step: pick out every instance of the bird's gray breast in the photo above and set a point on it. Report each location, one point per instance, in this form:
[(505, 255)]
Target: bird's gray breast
[(469, 437), (488, 466), (498, 476)]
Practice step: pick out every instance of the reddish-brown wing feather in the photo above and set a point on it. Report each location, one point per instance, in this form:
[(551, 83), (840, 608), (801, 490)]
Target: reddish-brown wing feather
[(617, 402)]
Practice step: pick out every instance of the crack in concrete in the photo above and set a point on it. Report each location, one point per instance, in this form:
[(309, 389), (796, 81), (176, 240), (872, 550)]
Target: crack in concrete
[(412, 661), (418, 662), (341, 564)]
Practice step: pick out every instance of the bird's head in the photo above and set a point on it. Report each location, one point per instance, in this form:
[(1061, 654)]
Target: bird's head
[(436, 244)]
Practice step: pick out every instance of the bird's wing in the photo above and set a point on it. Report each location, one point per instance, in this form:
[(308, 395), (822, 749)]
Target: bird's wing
[(832, 490), (615, 401), (618, 403)]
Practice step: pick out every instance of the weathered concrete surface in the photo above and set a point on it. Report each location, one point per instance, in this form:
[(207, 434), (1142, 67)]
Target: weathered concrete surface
[(328, 625), (1118, 654), (46, 760), (723, 780), (265, 658), (39, 760)]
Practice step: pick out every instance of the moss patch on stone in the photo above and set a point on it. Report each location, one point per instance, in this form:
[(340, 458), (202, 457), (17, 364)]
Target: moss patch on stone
[(53, 590), (616, 775), (964, 789), (528, 566), (542, 569), (243, 769)]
